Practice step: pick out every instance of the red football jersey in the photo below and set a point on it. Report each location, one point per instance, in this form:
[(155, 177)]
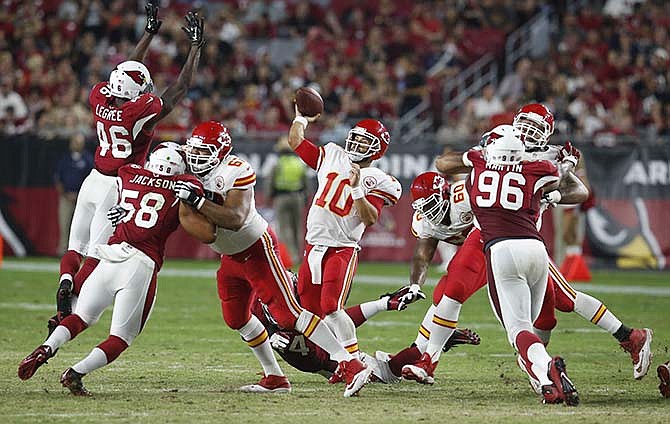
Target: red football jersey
[(122, 138), (154, 210), (506, 198)]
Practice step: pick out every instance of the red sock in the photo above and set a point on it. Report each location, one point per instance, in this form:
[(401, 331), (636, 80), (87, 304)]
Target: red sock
[(83, 273), (356, 315), (113, 347), (69, 263), (525, 340), (409, 355), (74, 324)]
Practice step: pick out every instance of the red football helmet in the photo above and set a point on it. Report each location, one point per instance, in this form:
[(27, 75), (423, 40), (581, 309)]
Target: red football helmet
[(536, 123), (368, 139), (430, 196), (207, 147)]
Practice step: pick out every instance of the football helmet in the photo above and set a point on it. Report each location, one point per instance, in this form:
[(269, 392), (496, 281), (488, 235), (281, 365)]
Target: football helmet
[(208, 146), (505, 146), (130, 79), (430, 196), (368, 139), (166, 159), (536, 123)]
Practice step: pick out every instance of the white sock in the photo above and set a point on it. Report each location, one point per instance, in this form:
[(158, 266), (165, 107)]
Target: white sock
[(58, 338), (370, 309), (539, 359), (344, 329), (315, 330), (256, 336), (593, 310), (425, 329), (96, 359), (444, 320)]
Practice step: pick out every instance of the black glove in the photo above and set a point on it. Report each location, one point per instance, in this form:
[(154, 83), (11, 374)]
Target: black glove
[(153, 24), (116, 214), (188, 193), (195, 28)]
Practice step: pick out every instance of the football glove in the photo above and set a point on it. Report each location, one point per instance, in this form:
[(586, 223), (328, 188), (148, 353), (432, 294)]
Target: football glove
[(413, 294), (116, 214), (153, 24), (551, 199), (279, 342), (188, 193), (194, 29), (569, 153)]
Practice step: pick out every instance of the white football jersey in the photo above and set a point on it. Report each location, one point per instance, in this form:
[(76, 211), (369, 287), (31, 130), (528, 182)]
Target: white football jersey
[(460, 219), (550, 154), (332, 219), (235, 173)]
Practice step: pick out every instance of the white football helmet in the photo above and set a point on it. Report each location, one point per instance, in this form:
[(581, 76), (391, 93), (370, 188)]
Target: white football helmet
[(130, 79), (166, 159), (504, 146)]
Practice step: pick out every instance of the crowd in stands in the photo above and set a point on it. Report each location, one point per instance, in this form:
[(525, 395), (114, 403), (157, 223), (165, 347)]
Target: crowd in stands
[(368, 59), (607, 77), (607, 72)]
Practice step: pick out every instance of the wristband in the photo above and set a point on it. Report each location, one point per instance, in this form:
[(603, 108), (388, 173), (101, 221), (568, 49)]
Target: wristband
[(199, 201), (554, 196), (302, 120), (357, 193)]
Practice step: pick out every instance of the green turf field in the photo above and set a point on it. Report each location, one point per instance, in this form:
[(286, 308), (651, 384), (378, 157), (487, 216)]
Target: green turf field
[(186, 364)]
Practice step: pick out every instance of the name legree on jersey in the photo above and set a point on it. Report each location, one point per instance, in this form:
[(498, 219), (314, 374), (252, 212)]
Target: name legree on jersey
[(460, 219)]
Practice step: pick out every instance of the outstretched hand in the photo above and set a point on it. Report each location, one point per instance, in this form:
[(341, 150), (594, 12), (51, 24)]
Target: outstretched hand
[(153, 24), (195, 28)]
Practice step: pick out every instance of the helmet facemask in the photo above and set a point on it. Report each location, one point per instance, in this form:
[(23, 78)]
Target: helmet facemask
[(361, 145), (201, 157), (433, 208), (535, 131)]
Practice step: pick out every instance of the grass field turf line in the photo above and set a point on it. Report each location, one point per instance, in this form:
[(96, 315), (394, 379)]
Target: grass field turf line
[(186, 364)]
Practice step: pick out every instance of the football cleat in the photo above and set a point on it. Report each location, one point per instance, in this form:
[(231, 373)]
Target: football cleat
[(393, 301), (269, 384), (32, 362), (664, 375), (559, 377), (638, 346), (355, 374), (71, 379), (461, 336), (551, 394), (422, 371), (534, 382), (381, 372)]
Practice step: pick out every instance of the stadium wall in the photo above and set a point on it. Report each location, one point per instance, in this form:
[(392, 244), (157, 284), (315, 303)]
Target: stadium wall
[(626, 225)]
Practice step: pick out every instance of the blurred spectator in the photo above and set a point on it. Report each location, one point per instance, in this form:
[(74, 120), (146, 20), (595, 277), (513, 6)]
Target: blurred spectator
[(13, 110), (71, 170), (487, 104), (511, 87), (287, 194)]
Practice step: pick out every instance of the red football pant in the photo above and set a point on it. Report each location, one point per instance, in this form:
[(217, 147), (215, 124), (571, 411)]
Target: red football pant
[(338, 268), (256, 273)]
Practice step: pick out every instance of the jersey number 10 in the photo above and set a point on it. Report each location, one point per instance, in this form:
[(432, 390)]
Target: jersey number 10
[(337, 195)]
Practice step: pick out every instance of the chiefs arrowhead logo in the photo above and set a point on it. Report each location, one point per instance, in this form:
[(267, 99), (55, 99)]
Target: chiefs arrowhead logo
[(137, 76)]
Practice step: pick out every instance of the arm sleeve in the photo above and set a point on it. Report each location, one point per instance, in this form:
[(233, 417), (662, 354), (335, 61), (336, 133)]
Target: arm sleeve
[(310, 153)]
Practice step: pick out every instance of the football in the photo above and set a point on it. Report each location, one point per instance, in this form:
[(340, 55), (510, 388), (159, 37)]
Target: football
[(309, 101)]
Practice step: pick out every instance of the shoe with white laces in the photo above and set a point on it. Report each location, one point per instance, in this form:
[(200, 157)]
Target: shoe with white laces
[(422, 371), (559, 377), (356, 375), (32, 362), (269, 384), (638, 346)]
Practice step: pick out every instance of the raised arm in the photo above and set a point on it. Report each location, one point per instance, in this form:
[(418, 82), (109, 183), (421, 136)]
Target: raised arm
[(150, 29), (296, 133), (450, 163), (176, 92)]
